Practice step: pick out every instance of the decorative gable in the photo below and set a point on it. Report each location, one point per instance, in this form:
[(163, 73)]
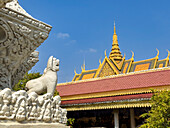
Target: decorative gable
[(106, 70)]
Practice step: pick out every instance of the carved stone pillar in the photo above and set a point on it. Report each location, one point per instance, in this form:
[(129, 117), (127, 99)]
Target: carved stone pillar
[(20, 35), (116, 118), (132, 118)]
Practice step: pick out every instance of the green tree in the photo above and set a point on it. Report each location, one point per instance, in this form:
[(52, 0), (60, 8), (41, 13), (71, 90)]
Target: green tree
[(28, 76), (159, 115)]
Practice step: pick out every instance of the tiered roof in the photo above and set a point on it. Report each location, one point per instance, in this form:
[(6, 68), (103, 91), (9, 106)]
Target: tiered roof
[(117, 83), (117, 64)]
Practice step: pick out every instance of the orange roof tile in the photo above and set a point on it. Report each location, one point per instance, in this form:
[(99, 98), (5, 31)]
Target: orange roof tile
[(142, 80)]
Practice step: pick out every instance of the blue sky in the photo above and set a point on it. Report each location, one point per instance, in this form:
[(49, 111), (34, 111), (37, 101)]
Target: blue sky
[(83, 29)]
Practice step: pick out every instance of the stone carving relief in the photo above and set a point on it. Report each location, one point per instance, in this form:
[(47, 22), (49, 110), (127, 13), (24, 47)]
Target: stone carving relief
[(20, 36), (15, 6), (3, 3), (22, 107), (25, 66)]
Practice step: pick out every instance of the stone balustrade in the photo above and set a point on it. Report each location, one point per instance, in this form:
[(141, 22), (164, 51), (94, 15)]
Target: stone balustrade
[(22, 107)]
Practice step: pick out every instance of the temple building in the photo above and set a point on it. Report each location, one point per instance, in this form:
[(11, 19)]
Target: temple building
[(117, 93)]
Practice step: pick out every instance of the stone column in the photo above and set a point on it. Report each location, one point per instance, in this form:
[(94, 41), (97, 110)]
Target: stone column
[(116, 118), (132, 118)]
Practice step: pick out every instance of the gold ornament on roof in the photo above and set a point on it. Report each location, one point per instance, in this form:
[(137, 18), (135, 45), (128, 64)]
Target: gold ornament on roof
[(83, 67), (100, 61), (168, 54), (132, 58), (124, 55), (115, 52), (105, 53), (75, 72), (157, 53)]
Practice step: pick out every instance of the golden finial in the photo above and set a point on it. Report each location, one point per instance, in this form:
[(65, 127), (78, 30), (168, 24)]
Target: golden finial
[(157, 53), (124, 55), (132, 58), (114, 28), (75, 72), (100, 61), (168, 54), (83, 66), (105, 53)]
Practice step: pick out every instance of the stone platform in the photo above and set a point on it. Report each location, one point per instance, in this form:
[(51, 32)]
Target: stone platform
[(32, 125)]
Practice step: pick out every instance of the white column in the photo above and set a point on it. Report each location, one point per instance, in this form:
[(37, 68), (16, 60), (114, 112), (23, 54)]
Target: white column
[(132, 118), (116, 118)]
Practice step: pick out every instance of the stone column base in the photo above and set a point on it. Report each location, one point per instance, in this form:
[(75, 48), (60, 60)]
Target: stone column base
[(32, 125)]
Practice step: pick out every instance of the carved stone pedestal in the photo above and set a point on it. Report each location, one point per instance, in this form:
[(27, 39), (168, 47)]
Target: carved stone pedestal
[(32, 125)]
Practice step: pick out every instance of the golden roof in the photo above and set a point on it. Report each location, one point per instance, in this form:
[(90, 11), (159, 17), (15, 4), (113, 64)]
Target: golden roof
[(117, 64)]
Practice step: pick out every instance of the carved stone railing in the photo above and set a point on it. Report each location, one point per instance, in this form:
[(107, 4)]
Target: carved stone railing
[(20, 35), (22, 107)]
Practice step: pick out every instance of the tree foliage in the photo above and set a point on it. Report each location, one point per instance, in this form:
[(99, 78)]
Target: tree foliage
[(28, 76), (159, 115), (70, 122)]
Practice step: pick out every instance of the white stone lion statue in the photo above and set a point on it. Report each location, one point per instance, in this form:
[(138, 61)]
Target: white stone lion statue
[(48, 81)]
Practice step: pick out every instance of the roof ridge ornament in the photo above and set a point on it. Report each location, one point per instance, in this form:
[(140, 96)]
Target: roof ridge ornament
[(105, 53), (124, 55), (168, 54), (83, 67), (75, 72), (100, 61), (157, 53), (132, 58)]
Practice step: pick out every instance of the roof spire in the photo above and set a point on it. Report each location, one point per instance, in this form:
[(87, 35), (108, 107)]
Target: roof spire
[(115, 52), (114, 28)]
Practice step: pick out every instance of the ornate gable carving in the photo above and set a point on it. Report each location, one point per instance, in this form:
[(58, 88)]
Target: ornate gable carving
[(106, 70)]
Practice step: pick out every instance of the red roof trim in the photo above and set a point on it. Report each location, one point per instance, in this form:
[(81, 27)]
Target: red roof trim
[(115, 98)]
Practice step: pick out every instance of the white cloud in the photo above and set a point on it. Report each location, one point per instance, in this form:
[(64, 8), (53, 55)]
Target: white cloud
[(63, 35), (90, 50), (71, 42)]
